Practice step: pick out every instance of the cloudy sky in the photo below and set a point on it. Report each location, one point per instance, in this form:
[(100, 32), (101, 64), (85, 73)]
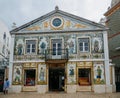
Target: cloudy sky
[(23, 11)]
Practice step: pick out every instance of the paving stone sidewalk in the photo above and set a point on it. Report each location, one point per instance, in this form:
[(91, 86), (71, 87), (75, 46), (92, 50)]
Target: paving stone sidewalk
[(59, 95)]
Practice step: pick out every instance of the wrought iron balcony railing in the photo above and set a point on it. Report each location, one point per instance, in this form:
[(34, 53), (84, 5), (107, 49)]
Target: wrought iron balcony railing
[(56, 54)]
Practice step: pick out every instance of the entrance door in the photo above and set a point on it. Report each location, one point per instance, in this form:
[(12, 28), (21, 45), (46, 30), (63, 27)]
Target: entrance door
[(56, 46), (56, 79), (2, 71), (29, 77)]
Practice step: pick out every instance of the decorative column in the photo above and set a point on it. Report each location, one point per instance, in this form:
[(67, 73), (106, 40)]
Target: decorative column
[(107, 67)]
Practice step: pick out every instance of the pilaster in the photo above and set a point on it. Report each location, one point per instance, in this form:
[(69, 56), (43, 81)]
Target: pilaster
[(106, 55), (113, 78), (11, 58)]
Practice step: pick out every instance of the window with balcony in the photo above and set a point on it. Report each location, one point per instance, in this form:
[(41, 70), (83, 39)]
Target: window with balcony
[(57, 46), (30, 46), (84, 44)]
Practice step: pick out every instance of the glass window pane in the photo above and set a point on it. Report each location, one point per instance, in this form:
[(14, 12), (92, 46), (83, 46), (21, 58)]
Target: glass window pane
[(33, 50), (81, 44), (59, 48), (28, 50), (86, 48), (28, 46), (59, 45), (54, 51), (54, 45), (81, 48), (59, 51), (86, 44), (33, 46)]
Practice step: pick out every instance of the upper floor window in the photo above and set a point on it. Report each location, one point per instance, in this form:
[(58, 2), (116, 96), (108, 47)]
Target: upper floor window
[(83, 44), (30, 46), (56, 46)]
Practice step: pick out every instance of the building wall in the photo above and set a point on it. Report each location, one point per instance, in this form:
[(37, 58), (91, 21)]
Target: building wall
[(69, 41), (4, 41), (87, 46), (114, 2), (4, 53), (113, 22), (77, 60), (5, 44)]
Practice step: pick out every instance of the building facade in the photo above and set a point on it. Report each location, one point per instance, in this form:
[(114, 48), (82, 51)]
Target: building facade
[(4, 52), (60, 52), (113, 23)]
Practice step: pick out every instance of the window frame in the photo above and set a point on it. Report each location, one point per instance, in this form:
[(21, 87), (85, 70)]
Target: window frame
[(51, 44), (78, 45), (29, 53)]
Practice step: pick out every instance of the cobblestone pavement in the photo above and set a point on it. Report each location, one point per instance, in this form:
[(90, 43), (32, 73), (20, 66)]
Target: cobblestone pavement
[(59, 95)]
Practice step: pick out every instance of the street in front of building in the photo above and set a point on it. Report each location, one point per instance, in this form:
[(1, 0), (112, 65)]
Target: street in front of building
[(61, 95)]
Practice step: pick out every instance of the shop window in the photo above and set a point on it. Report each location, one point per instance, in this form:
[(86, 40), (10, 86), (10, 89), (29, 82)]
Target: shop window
[(84, 76), (83, 44), (29, 77), (30, 46)]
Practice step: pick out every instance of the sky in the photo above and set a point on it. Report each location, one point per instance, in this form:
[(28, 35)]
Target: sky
[(24, 11)]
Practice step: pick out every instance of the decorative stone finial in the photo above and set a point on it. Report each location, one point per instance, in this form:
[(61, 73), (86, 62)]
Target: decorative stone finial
[(56, 8)]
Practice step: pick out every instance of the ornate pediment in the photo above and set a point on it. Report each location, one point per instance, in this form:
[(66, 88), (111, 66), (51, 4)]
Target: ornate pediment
[(57, 23), (58, 20)]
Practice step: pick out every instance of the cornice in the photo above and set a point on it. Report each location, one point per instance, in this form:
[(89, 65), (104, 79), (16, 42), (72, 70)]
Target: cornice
[(57, 31), (112, 10)]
